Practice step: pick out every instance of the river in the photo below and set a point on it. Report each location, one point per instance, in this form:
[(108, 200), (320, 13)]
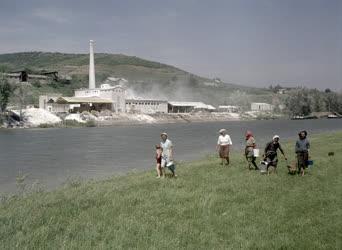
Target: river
[(51, 156)]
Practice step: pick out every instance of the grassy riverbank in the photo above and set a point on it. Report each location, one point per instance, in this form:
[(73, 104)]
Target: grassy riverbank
[(207, 207)]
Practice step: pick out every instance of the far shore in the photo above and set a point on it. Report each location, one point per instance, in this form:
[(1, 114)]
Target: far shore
[(145, 119)]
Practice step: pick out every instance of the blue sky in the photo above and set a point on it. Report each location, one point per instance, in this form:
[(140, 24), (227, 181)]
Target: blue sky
[(249, 42)]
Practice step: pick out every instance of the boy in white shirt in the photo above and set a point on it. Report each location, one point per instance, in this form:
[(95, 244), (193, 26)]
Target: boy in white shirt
[(223, 146)]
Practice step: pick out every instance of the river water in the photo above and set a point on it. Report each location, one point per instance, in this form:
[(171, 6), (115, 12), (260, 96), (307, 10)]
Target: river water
[(51, 156)]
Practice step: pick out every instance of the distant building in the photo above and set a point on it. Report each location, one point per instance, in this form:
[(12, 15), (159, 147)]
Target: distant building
[(187, 107), (80, 104), (228, 108), (282, 91), (146, 106), (116, 81), (49, 103), (24, 77), (116, 94), (259, 106)]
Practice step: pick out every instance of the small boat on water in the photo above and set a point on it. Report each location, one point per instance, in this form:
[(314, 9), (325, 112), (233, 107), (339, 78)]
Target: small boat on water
[(301, 117), (333, 116)]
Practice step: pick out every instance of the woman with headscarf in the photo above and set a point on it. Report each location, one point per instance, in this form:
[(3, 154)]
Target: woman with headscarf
[(223, 146), (302, 150), (271, 155), (250, 146)]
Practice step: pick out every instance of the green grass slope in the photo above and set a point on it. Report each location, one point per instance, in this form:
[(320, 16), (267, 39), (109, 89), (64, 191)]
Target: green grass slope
[(207, 207)]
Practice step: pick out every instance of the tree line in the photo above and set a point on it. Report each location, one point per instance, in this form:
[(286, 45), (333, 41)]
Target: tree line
[(303, 101)]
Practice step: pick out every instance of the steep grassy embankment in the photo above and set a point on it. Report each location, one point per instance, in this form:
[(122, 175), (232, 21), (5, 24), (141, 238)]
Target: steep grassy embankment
[(207, 207)]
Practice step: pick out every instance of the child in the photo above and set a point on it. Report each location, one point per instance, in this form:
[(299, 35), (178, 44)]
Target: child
[(159, 152)]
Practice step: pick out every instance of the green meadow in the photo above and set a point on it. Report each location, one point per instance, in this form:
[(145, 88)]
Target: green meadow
[(208, 206)]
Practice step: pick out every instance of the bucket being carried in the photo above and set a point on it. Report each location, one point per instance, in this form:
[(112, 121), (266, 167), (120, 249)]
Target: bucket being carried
[(263, 167), (256, 152)]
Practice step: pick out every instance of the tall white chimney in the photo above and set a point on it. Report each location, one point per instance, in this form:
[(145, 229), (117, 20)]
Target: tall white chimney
[(91, 66)]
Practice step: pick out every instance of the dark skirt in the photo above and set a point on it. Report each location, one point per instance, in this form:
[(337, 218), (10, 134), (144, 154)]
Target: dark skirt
[(224, 151), (302, 159)]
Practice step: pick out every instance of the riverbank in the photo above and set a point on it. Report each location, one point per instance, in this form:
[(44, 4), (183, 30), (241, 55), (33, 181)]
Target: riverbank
[(207, 207), (34, 117)]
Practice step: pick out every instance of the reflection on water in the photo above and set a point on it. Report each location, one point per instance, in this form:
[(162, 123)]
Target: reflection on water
[(53, 155)]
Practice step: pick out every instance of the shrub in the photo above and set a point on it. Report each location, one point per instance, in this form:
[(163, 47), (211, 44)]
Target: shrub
[(90, 123)]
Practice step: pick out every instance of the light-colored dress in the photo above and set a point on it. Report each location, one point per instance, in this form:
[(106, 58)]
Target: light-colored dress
[(250, 143), (167, 147), (224, 142)]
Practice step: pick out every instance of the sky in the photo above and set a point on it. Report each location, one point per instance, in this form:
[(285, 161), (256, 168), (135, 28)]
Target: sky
[(248, 42)]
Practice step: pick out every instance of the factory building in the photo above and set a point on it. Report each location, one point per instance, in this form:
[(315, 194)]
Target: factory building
[(228, 108), (115, 94), (260, 106), (93, 98), (49, 103), (23, 76), (187, 107), (146, 106)]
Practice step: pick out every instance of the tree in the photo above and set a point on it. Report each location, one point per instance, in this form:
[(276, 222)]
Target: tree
[(22, 95), (6, 91), (299, 102), (333, 102), (239, 98)]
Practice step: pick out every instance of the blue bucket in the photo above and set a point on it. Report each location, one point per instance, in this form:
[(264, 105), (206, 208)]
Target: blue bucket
[(310, 162)]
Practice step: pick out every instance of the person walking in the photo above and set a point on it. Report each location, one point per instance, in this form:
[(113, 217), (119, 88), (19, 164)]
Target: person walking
[(249, 153), (159, 152), (302, 148), (223, 146), (167, 155), (271, 155)]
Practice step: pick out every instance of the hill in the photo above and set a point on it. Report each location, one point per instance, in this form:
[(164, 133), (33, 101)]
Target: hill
[(146, 78), (206, 207)]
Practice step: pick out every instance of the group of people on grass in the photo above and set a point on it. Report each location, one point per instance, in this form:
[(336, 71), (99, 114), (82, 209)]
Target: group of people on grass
[(270, 155), (164, 152)]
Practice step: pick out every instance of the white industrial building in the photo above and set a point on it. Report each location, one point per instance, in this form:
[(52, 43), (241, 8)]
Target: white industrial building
[(260, 106), (228, 108), (145, 106), (111, 95), (92, 98), (49, 103), (187, 107), (114, 94)]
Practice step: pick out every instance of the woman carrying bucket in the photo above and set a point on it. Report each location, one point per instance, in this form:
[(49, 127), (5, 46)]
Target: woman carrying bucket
[(302, 150), (271, 155), (249, 150)]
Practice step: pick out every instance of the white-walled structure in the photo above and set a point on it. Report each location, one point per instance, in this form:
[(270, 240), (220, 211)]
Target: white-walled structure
[(187, 107), (260, 106), (49, 103), (228, 108), (146, 106), (114, 93)]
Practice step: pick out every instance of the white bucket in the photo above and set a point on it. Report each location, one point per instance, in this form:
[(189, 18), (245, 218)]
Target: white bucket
[(256, 152)]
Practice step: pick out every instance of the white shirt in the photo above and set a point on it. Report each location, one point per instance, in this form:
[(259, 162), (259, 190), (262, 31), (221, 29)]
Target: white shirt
[(167, 145), (224, 140)]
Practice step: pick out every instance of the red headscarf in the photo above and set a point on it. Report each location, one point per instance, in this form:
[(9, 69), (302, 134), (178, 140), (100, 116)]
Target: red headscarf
[(248, 134)]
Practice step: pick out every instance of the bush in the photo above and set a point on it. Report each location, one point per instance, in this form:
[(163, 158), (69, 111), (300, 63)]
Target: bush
[(73, 123), (46, 125), (95, 113), (90, 123)]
